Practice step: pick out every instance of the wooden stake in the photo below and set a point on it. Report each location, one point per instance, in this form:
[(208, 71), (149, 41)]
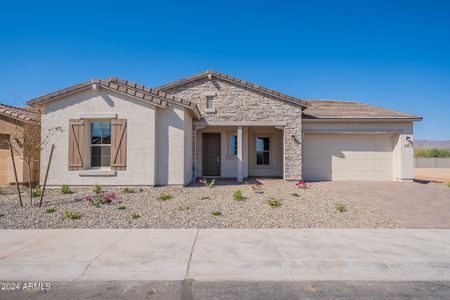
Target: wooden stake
[(15, 175), (46, 174)]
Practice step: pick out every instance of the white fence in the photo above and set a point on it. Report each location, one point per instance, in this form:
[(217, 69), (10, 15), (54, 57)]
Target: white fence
[(426, 162)]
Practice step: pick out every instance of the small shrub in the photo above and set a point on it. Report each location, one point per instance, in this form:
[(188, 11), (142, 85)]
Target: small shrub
[(210, 184), (274, 202), (295, 194), (165, 197), (73, 215), (216, 213), (50, 210), (1, 191), (36, 191), (97, 189), (127, 190), (237, 195), (302, 185), (340, 207), (135, 216), (99, 199), (65, 189), (122, 207), (183, 207), (204, 198), (448, 184)]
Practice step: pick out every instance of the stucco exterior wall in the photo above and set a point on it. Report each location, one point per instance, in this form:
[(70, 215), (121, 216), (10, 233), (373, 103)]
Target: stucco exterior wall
[(170, 146), (403, 153), (236, 104), (141, 138), (188, 147)]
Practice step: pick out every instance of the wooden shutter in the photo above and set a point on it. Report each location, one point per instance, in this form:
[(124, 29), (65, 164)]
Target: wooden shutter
[(119, 144), (76, 144)]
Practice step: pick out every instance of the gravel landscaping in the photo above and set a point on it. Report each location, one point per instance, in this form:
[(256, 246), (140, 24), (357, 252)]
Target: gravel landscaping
[(269, 204)]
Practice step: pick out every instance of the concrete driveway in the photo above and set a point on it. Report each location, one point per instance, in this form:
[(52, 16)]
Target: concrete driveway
[(412, 205)]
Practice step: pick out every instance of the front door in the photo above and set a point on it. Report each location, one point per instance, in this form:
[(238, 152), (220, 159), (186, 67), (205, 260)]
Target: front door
[(211, 154)]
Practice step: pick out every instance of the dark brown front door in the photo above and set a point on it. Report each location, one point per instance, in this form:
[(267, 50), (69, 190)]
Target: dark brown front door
[(211, 154)]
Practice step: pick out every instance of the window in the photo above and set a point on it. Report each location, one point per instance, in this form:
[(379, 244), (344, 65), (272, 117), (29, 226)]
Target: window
[(209, 102), (100, 144), (232, 144), (263, 151)]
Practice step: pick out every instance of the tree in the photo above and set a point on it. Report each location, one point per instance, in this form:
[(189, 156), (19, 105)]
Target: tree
[(27, 143)]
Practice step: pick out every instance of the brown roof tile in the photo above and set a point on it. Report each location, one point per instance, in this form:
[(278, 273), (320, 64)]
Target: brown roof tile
[(331, 109), (24, 114)]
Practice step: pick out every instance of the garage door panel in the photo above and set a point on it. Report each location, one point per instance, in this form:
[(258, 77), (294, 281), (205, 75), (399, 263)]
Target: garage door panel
[(348, 157)]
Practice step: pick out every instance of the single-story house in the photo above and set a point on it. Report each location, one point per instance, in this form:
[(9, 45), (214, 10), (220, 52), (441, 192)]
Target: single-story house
[(117, 132), (13, 121)]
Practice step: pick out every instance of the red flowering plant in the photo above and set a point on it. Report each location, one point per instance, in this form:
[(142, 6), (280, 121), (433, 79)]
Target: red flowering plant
[(100, 199), (302, 185)]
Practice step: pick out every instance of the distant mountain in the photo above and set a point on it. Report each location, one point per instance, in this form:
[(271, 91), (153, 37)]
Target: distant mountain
[(423, 144)]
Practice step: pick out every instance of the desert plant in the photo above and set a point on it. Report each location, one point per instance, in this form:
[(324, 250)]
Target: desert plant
[(99, 199), (302, 185), (122, 207), (183, 207), (237, 195), (50, 210), (36, 191), (65, 189), (165, 197), (73, 215), (274, 202), (448, 184), (127, 190), (216, 213), (295, 194), (97, 189), (340, 207), (431, 152), (1, 191), (210, 184), (204, 198), (135, 216)]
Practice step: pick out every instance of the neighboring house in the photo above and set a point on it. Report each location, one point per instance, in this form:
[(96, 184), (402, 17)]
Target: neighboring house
[(12, 121), (213, 125)]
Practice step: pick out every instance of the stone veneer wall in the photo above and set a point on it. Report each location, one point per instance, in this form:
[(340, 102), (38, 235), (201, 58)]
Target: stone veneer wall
[(234, 103)]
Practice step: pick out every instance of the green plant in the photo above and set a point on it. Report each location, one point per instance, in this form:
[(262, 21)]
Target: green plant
[(432, 152), (135, 216), (127, 190), (216, 213), (295, 194), (204, 198), (73, 215), (165, 197), (210, 184), (237, 195), (97, 189), (65, 189), (1, 191), (36, 191), (274, 202), (183, 207), (340, 207), (50, 210), (122, 207)]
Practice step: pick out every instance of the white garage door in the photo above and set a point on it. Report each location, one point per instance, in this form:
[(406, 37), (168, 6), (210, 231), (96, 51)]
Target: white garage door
[(347, 157)]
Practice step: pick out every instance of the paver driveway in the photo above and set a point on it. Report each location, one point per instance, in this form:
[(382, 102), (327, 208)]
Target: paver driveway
[(412, 205)]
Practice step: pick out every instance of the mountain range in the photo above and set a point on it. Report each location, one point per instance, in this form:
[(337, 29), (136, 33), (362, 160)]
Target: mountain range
[(424, 144)]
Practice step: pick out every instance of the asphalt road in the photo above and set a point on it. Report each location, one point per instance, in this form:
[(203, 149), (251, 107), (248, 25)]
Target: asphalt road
[(190, 290)]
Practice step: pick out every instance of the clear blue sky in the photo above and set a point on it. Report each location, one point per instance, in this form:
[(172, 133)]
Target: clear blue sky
[(394, 54)]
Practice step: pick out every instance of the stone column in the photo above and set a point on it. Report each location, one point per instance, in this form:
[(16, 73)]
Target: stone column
[(240, 168)]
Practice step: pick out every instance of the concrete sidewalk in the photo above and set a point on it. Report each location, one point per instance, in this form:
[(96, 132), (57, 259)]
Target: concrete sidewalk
[(225, 255)]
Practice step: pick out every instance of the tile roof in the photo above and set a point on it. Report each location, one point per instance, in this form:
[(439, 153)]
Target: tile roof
[(121, 86), (331, 109), (253, 86), (19, 113)]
